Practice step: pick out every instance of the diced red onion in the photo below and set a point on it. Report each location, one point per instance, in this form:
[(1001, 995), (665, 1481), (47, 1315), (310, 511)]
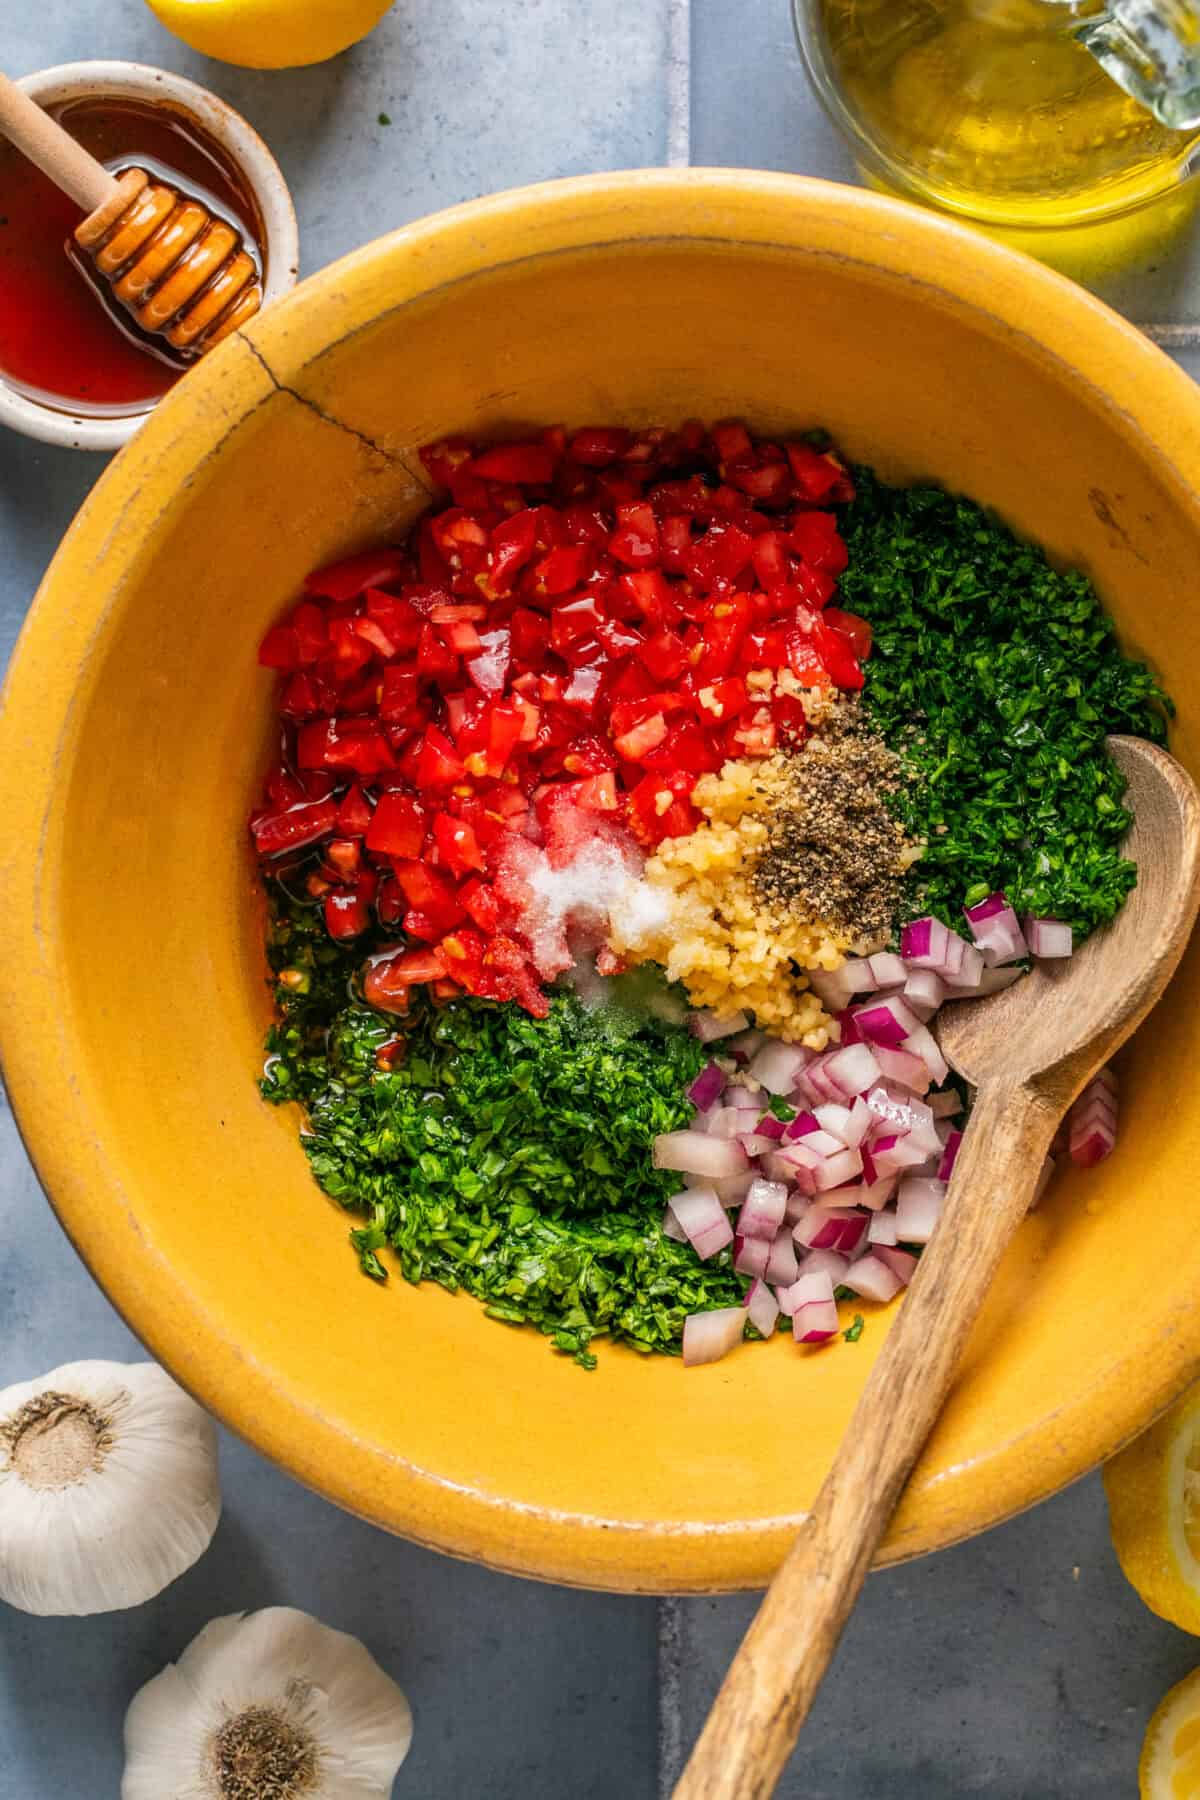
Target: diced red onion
[(1092, 1121), (969, 970), (952, 961), (833, 1119), (923, 943), (836, 987), (743, 1046), (983, 910), (762, 1307), (815, 1085), (886, 1022), (837, 1228), (762, 1211), (777, 1066), (708, 1087), (852, 1069), (949, 1156), (671, 1228), (924, 991), (1049, 937), (895, 1152), (702, 1217), (696, 1154), (996, 931), (709, 1026), (812, 1307), (782, 1267), (825, 1262), (723, 1122), (922, 1043), (708, 1336), (901, 1262), (858, 1123), (780, 1165), (918, 1208), (838, 1169), (747, 1100), (850, 1034), (887, 970), (882, 1230), (750, 1255), (872, 1279), (903, 1067), (730, 1190), (769, 1127), (798, 1204), (875, 1194), (946, 1105), (816, 1322), (754, 1143)]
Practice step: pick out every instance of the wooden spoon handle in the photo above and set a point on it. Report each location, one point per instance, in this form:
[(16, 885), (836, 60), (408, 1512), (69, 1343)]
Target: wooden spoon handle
[(774, 1677), (54, 150)]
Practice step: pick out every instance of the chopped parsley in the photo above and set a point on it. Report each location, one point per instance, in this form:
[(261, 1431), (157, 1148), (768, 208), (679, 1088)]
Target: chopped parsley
[(855, 1329), (506, 1155), (385, 118), (996, 677)]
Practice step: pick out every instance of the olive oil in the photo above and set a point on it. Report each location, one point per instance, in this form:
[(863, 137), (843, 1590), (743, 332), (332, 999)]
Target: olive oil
[(998, 109)]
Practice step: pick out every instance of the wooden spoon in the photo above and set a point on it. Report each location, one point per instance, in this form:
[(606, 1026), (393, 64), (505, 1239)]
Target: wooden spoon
[(179, 272), (1028, 1051)]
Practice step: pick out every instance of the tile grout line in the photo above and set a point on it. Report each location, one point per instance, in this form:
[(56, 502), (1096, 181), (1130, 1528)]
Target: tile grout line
[(670, 1696), (1171, 337), (679, 83)]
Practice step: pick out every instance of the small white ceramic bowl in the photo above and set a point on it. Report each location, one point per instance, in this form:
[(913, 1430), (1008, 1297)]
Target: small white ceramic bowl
[(241, 143)]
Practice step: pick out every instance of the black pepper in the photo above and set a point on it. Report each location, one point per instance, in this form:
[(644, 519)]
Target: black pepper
[(835, 851)]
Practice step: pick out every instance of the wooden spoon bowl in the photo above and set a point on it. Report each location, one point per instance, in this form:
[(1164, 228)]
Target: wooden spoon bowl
[(1028, 1051)]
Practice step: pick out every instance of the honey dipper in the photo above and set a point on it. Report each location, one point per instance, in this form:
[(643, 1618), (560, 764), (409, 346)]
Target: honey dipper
[(179, 272)]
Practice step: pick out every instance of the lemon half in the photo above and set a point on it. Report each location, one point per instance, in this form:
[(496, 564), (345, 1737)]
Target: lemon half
[(1153, 1493), (1170, 1764), (270, 34)]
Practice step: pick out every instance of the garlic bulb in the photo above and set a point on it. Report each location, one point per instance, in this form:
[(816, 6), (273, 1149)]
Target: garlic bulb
[(270, 1705), (108, 1487)]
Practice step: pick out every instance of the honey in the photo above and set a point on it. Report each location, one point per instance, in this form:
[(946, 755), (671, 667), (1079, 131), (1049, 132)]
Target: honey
[(64, 340)]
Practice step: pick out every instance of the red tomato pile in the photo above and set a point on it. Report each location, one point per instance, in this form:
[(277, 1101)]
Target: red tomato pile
[(567, 641)]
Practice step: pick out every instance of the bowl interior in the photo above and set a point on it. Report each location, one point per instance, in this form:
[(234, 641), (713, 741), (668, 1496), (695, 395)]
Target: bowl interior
[(136, 724)]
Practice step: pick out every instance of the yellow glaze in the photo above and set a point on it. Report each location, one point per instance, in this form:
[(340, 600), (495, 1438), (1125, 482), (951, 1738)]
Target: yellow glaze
[(135, 724)]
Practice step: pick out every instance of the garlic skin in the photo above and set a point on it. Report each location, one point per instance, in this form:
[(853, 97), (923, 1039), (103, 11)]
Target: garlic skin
[(269, 1705), (108, 1487)]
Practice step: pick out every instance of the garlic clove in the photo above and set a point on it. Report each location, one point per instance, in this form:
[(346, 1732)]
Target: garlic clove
[(271, 1705), (108, 1487)]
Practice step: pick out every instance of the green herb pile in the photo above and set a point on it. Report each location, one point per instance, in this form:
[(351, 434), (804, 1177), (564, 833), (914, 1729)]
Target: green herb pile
[(505, 1155), (996, 678)]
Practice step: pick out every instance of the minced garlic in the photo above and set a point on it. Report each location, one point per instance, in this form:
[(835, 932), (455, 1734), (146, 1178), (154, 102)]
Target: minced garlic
[(715, 934)]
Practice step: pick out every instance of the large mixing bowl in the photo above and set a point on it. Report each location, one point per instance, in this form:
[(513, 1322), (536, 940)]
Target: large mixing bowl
[(136, 722)]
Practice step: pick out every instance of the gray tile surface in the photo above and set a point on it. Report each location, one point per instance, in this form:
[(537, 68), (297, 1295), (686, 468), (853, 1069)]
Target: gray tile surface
[(993, 1669), (1020, 1666)]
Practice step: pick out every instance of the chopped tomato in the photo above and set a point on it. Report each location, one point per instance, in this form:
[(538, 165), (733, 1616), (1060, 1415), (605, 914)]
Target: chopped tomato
[(853, 627), (347, 579), (397, 826), (524, 465), (586, 626), (293, 829)]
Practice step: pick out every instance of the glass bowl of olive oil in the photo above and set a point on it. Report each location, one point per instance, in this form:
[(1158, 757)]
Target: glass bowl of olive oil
[(1028, 116)]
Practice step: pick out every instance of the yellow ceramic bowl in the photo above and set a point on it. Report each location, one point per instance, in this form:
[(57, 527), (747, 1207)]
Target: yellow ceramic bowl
[(132, 999)]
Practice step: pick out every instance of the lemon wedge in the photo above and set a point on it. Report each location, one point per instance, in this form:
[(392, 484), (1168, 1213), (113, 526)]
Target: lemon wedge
[(269, 34), (1153, 1493), (1170, 1764)]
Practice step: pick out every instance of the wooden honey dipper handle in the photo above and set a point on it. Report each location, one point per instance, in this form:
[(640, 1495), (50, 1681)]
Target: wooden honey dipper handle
[(177, 270), (55, 151)]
